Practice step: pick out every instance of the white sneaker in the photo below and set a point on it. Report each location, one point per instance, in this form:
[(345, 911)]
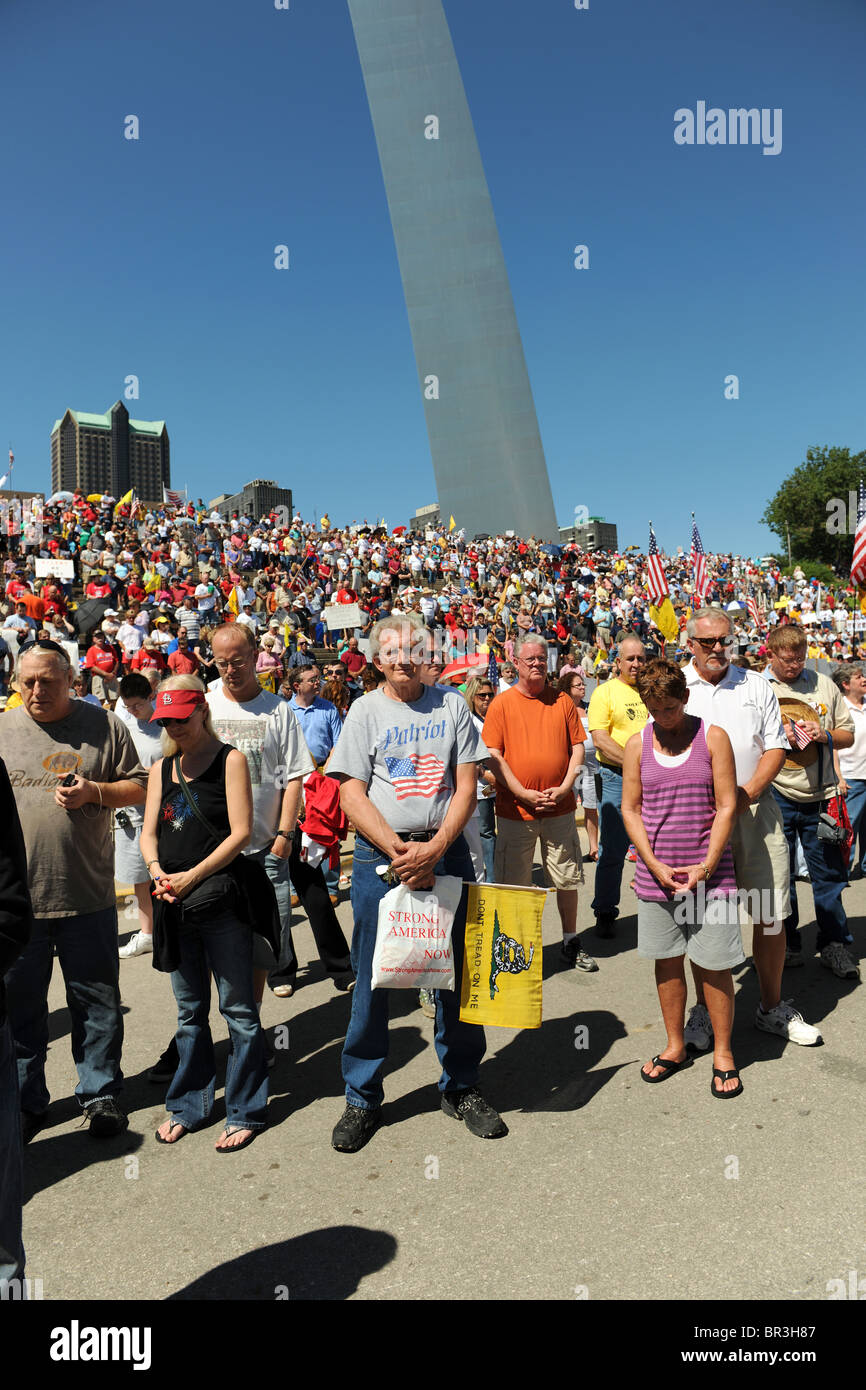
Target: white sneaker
[(836, 958), (140, 944), (698, 1032), (785, 1021), (344, 882)]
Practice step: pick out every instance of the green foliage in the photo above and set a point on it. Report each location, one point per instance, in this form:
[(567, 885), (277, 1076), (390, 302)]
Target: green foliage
[(816, 569), (803, 503)]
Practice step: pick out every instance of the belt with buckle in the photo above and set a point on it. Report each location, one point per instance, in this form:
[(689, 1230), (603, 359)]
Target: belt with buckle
[(417, 836)]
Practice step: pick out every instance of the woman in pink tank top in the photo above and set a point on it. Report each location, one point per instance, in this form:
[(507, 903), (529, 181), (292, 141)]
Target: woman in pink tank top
[(679, 799)]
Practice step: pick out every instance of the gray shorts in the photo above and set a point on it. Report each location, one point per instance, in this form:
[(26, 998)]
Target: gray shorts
[(669, 929), (129, 865)]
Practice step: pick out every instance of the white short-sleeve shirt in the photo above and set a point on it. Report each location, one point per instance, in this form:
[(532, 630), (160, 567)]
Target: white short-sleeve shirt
[(744, 705)]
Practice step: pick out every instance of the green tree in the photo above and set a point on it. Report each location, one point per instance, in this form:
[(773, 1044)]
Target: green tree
[(813, 502)]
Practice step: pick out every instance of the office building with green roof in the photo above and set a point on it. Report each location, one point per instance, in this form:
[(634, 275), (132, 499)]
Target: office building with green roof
[(110, 453)]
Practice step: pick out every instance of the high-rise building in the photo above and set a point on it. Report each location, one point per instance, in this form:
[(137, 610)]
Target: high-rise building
[(110, 453), (257, 499), (594, 534), (489, 464)]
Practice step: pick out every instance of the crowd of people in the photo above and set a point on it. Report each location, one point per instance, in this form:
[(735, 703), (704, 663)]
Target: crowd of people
[(183, 716)]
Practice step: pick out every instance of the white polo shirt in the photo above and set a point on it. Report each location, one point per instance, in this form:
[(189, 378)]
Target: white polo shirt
[(852, 761), (744, 705)]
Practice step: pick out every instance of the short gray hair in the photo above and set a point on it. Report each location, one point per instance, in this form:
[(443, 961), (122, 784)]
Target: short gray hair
[(703, 613), (843, 673), (396, 622), (529, 639)]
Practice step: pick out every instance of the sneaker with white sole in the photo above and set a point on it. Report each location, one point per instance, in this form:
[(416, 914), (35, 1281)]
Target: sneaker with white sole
[(785, 1021), (139, 944), (698, 1032), (836, 958)]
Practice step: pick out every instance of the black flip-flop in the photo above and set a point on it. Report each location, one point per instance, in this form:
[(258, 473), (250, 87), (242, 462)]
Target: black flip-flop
[(236, 1148), (175, 1124), (670, 1068), (725, 1076)]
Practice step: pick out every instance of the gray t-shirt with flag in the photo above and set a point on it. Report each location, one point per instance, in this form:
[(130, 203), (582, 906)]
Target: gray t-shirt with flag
[(406, 754)]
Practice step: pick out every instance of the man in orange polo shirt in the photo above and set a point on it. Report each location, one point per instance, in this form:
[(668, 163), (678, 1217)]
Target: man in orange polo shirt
[(535, 740)]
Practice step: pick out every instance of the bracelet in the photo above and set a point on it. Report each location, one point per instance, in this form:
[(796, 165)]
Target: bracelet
[(152, 861), (706, 871), (285, 834)]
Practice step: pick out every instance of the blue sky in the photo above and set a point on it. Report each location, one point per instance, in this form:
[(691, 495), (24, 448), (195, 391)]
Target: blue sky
[(155, 257)]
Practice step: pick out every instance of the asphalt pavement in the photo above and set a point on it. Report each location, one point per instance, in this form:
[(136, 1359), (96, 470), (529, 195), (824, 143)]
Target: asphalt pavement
[(604, 1188)]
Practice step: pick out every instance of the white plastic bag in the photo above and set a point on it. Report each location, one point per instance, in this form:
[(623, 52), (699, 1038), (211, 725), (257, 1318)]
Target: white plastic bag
[(413, 938)]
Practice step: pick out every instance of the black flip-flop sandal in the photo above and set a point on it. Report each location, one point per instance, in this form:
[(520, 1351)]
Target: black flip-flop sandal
[(725, 1076), (236, 1148), (175, 1124), (671, 1068)]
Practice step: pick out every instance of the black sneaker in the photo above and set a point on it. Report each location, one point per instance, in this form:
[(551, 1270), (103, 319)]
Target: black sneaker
[(479, 1117), (604, 927), (354, 1128), (165, 1068), (574, 957), (105, 1118)]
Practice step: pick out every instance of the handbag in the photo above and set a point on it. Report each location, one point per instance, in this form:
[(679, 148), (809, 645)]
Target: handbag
[(834, 824), (245, 879)]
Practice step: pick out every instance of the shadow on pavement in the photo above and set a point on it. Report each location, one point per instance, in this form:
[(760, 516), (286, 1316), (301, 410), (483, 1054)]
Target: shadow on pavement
[(325, 1264), (48, 1161), (548, 1068)]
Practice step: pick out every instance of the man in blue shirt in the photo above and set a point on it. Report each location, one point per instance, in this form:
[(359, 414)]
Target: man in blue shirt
[(321, 726)]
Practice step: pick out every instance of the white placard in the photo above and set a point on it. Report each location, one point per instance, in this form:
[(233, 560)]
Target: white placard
[(338, 615), (60, 569)]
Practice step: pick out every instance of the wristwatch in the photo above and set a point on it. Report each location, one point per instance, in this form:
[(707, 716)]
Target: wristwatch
[(286, 834)]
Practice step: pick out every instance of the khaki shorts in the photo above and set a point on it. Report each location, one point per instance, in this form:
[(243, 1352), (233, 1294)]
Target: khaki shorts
[(761, 861), (560, 850)]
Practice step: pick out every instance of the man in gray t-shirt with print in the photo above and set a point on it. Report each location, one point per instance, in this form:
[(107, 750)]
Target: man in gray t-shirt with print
[(406, 759)]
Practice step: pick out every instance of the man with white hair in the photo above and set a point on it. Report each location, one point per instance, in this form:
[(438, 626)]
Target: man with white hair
[(408, 820), (743, 704), (71, 765)]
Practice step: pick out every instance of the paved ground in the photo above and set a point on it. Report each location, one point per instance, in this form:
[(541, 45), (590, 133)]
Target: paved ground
[(605, 1188)]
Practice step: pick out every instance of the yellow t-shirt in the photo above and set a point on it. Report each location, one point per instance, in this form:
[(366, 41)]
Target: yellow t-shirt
[(618, 710)]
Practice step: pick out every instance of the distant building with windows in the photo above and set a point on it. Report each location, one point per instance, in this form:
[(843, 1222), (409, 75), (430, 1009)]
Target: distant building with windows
[(110, 453), (595, 534), (425, 516), (256, 500)]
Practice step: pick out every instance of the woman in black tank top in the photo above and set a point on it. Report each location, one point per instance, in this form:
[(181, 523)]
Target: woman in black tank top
[(197, 820)]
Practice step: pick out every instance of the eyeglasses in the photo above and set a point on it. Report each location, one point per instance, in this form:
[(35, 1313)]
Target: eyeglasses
[(533, 660), (165, 722), (237, 665), (709, 642), (484, 695)]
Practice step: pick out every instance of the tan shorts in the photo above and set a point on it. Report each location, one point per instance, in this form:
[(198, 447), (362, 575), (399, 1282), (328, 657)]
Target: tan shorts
[(761, 861), (560, 850)]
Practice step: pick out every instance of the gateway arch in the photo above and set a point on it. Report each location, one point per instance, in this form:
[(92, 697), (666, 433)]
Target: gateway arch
[(488, 460)]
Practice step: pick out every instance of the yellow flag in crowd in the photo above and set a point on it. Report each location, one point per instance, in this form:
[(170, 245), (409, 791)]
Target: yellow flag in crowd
[(861, 591), (452, 523), (127, 497), (232, 603), (665, 620), (502, 961)]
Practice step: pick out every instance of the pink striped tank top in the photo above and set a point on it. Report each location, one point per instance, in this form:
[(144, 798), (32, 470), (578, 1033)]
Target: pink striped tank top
[(678, 809)]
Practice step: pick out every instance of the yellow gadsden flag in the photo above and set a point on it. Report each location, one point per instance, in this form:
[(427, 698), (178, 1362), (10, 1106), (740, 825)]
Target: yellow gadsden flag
[(665, 620), (451, 524), (502, 960)]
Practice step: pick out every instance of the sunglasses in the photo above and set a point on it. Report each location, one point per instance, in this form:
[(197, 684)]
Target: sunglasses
[(165, 722), (709, 642)]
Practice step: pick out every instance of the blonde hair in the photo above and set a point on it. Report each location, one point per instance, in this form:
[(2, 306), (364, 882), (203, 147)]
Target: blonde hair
[(169, 747)]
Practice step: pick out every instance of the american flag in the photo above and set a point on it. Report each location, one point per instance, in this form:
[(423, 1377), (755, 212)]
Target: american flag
[(858, 560), (801, 738), (493, 672), (698, 562), (657, 585), (753, 612), (418, 774)]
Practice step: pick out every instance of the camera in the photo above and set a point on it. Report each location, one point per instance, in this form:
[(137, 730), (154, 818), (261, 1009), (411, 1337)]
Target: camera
[(123, 820), (829, 831)]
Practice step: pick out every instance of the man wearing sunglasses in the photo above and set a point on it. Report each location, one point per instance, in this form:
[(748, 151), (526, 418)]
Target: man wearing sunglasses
[(743, 704)]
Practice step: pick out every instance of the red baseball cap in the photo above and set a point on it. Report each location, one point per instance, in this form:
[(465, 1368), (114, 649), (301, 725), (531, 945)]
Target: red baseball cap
[(176, 704)]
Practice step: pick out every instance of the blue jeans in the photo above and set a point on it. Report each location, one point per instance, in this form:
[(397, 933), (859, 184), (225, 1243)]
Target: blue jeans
[(487, 826), (459, 1046), (826, 869), (856, 804), (613, 843), (222, 945), (11, 1180), (87, 951)]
